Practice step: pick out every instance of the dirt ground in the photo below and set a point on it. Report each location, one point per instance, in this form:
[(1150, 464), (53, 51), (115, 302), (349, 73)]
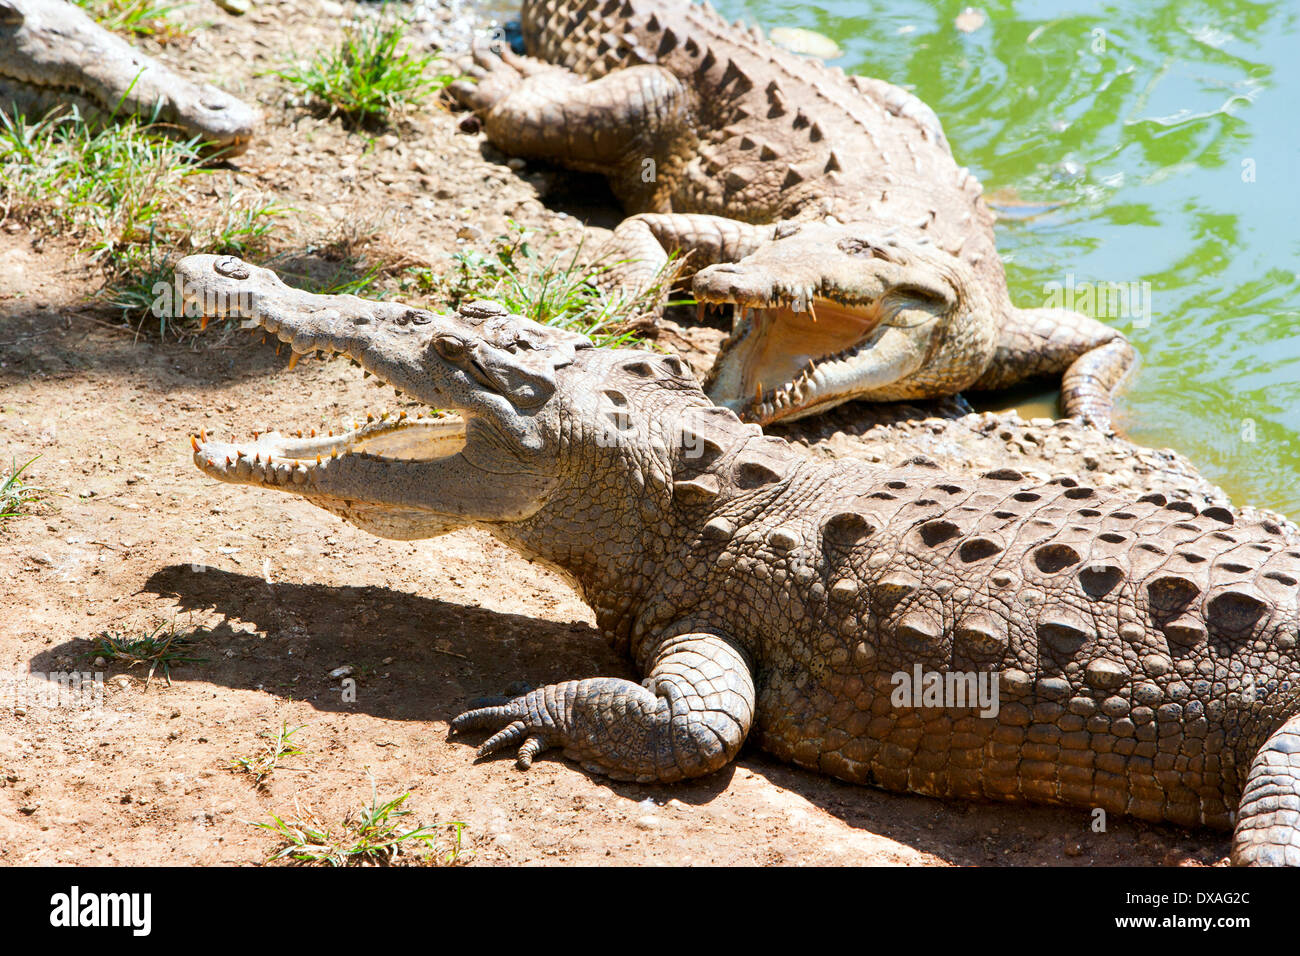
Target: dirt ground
[(135, 537)]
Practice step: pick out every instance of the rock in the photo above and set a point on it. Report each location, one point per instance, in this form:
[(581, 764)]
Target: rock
[(237, 7), (339, 673), (469, 233), (648, 822)]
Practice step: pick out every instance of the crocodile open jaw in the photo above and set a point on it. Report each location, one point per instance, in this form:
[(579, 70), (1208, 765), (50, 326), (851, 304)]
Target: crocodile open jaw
[(789, 355)]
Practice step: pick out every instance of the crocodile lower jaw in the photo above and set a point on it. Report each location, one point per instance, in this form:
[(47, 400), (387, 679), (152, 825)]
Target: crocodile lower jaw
[(294, 463), (784, 361)]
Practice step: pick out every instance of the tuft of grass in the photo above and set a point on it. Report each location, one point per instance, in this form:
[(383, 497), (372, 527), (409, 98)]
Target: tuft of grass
[(264, 763), (373, 835), (110, 183), (561, 291), (123, 192), (137, 273), (142, 18), (370, 76), (163, 647), (347, 277), (15, 493)]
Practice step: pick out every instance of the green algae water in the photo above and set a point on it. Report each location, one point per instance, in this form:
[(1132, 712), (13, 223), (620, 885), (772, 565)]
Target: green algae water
[(1144, 159)]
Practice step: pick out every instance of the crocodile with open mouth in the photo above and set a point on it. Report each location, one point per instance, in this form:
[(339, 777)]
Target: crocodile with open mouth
[(1144, 650), (827, 209), (52, 54)]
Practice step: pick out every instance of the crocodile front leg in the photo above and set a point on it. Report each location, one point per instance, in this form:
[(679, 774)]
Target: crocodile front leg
[(627, 125), (1091, 356), (688, 718), (1268, 818), (641, 247)]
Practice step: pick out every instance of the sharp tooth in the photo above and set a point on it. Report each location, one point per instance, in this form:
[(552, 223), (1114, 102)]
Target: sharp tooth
[(369, 419), (293, 360), (334, 452), (365, 373), (299, 432), (318, 459), (203, 435), (313, 433), (699, 311), (277, 350), (203, 323), (194, 442), (401, 415), (228, 461), (811, 311)]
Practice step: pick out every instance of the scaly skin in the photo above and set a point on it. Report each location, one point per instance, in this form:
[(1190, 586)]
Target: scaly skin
[(52, 54), (1144, 650), (826, 208)]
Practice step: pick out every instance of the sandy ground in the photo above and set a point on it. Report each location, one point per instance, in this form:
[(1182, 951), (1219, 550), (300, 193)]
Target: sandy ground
[(133, 537)]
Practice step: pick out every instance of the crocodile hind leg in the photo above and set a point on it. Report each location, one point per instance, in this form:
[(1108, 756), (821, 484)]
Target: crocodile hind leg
[(626, 125), (688, 718), (1090, 356), (1268, 818)]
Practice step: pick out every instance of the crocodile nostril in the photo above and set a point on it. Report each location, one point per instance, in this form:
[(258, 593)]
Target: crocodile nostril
[(230, 267)]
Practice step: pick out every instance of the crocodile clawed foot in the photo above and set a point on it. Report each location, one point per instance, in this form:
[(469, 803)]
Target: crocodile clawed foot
[(525, 725), (486, 78)]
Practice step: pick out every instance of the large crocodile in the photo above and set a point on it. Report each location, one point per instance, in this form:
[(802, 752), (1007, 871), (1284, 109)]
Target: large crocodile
[(828, 208), (52, 54), (1143, 650)]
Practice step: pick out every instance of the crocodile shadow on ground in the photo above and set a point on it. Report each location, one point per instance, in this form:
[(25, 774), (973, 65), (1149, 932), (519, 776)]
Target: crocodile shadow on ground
[(443, 655)]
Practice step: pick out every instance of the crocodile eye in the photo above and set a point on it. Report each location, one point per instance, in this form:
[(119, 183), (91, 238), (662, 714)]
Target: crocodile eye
[(449, 348)]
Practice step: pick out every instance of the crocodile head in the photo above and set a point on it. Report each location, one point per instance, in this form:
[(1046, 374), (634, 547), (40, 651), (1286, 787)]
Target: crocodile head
[(493, 459), (52, 54), (827, 312)]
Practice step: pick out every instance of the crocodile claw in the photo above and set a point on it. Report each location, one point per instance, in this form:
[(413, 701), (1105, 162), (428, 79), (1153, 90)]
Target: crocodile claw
[(485, 79), (522, 724)]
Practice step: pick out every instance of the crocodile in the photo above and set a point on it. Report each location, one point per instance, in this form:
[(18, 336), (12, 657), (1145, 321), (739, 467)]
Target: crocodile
[(1143, 650), (825, 210), (52, 55)]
